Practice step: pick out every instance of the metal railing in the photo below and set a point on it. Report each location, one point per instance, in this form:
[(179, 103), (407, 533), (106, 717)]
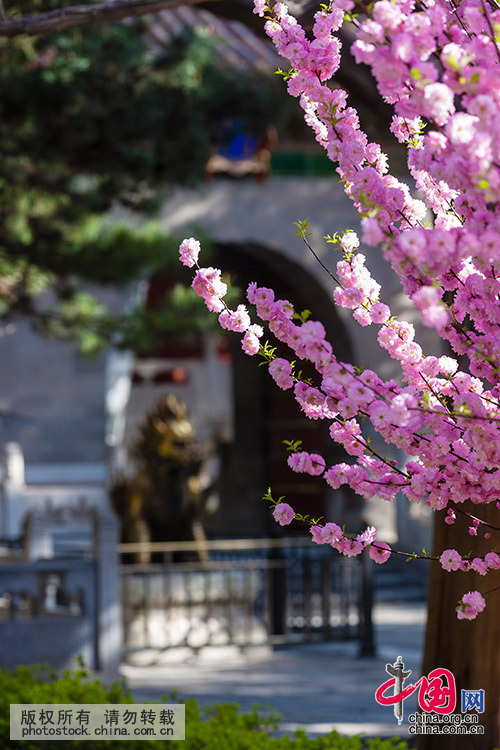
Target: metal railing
[(243, 592)]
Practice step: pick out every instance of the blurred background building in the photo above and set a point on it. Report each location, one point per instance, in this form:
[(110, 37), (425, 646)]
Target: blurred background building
[(70, 423)]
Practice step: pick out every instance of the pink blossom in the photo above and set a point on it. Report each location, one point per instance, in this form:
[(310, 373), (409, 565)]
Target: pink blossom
[(379, 313), (281, 372), (238, 320), (283, 514), (298, 461), (332, 533), (450, 560), (251, 340), (317, 464), (368, 536), (207, 284), (439, 102), (317, 534), (362, 316), (380, 552), (461, 128), (252, 292), (260, 7), (337, 475), (349, 242), (399, 410), (371, 232), (471, 605), (307, 463), (189, 251), (479, 566), (352, 547), (427, 296), (266, 309), (260, 294), (350, 297), (450, 517), (492, 560), (387, 14)]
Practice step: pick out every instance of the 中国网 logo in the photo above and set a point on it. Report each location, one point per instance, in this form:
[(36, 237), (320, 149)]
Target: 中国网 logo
[(436, 692), (437, 699)]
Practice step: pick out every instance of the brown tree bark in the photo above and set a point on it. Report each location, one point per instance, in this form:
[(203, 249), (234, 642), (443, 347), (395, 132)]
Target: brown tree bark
[(469, 649)]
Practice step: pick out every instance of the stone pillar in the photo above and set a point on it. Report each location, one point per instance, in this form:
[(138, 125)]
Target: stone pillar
[(118, 382), (108, 612), (12, 500)]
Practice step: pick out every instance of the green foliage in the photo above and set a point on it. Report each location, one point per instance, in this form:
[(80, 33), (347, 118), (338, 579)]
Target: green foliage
[(217, 727), (128, 251), (302, 230), (293, 445), (40, 684), (92, 121), (285, 74), (268, 496), (143, 327)]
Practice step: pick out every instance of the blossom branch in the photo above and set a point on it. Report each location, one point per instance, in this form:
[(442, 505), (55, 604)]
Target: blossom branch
[(302, 232), (480, 521)]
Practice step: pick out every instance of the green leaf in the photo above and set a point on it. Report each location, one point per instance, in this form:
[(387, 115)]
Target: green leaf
[(302, 229), (293, 445)]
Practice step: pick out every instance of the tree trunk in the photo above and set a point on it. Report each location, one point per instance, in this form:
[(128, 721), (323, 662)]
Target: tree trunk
[(469, 649)]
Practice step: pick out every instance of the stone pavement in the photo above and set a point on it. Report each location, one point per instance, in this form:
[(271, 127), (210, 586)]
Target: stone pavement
[(317, 686)]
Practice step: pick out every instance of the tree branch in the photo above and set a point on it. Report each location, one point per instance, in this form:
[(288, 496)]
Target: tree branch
[(80, 15)]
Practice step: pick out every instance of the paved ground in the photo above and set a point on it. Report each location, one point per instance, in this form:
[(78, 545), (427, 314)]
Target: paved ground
[(317, 687)]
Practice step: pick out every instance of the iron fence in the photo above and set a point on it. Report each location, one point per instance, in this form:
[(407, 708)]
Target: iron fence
[(243, 592)]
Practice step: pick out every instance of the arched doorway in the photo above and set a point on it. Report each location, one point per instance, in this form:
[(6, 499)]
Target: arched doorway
[(238, 410), (264, 415)]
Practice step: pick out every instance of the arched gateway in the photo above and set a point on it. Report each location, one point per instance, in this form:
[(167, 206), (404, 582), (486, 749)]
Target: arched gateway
[(234, 404)]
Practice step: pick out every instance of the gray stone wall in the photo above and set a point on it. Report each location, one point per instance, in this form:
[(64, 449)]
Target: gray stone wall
[(54, 399)]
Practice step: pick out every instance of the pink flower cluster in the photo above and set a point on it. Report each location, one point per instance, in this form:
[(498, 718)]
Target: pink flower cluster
[(307, 463), (437, 64), (281, 371), (471, 605), (380, 552), (332, 534), (189, 251), (208, 285), (237, 320), (451, 560)]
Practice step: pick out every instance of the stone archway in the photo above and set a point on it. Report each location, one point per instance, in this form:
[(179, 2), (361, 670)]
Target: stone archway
[(222, 387)]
